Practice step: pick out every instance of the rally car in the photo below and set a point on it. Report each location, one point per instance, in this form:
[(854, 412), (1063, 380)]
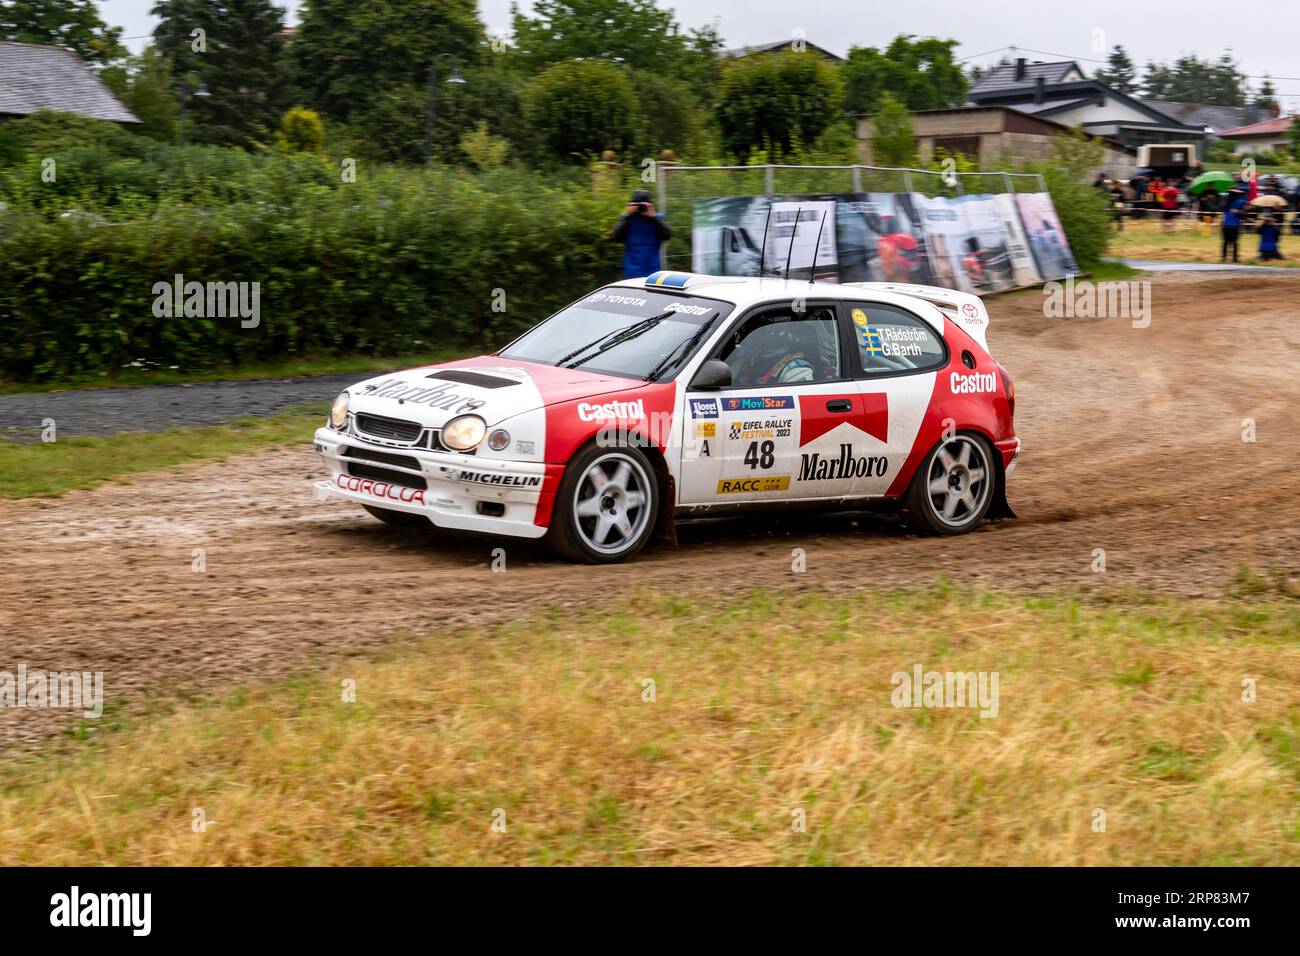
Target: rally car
[(654, 399)]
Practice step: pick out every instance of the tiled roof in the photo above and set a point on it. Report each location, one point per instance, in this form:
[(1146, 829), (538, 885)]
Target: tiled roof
[(35, 77), (777, 47), (1003, 76), (1218, 118), (1269, 127)]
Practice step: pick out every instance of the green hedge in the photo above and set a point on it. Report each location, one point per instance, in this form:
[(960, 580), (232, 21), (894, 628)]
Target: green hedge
[(398, 261)]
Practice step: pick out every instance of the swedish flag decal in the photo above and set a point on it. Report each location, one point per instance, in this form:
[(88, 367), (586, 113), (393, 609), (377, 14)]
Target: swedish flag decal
[(671, 280), (871, 340)]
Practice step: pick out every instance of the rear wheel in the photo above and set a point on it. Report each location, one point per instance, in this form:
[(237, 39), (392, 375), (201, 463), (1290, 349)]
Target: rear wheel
[(606, 507), (400, 519), (953, 487)]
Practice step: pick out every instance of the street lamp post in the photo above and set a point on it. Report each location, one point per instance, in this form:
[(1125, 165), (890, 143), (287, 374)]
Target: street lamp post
[(433, 86), (202, 90)]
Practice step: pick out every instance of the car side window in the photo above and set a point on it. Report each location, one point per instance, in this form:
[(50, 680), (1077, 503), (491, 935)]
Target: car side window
[(782, 346), (891, 340)]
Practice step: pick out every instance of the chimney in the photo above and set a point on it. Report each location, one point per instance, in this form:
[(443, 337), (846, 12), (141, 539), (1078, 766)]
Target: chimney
[(1040, 90), (1275, 110), (1020, 68)]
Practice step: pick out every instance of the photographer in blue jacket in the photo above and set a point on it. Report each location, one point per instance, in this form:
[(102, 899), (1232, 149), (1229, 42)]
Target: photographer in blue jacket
[(642, 231)]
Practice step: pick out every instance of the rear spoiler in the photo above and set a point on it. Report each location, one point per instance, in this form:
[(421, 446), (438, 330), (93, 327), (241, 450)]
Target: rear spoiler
[(965, 309)]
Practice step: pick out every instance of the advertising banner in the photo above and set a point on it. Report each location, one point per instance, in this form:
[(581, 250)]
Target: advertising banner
[(1023, 269), (984, 257), (728, 236), (978, 243), (880, 239), (1047, 240), (945, 235)]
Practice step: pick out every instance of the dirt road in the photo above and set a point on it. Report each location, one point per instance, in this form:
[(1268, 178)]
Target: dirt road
[(1133, 444)]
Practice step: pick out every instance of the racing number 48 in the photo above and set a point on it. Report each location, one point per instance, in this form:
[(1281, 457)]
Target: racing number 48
[(760, 456)]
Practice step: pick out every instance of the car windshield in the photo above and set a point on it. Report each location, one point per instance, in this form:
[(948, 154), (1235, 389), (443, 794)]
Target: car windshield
[(634, 333)]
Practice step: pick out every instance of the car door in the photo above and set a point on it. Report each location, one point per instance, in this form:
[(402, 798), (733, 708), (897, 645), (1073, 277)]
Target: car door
[(779, 422), (894, 357)]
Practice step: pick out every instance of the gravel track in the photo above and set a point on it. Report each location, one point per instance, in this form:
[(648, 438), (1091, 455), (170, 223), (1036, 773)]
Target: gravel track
[(1133, 444), (151, 408)]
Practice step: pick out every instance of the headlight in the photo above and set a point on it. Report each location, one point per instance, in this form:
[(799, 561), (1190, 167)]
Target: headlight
[(463, 433), (339, 411), (499, 440)]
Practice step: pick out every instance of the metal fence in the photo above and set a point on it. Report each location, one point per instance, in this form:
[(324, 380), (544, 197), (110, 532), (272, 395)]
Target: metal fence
[(680, 186)]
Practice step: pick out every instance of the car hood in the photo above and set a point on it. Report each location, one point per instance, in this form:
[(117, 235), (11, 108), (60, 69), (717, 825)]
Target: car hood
[(494, 388)]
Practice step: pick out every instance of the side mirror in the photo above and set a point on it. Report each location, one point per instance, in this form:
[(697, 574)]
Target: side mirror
[(712, 374)]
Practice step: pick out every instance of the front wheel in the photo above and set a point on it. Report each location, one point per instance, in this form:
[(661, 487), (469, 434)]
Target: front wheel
[(953, 487), (606, 506)]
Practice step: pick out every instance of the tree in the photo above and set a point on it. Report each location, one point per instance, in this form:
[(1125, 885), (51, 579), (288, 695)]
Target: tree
[(667, 114), (143, 83), (634, 32), (367, 65), (921, 74), (1120, 72), (1266, 98), (482, 149), (580, 108), (1293, 136), (892, 142), (74, 24), (239, 57), (1191, 79), (301, 131), (776, 102)]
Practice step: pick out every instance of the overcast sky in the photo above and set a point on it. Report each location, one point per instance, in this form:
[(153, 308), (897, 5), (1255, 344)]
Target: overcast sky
[(1262, 35)]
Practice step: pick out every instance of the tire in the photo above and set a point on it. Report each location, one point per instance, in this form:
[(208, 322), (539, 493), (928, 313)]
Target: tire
[(398, 519), (953, 486), (607, 506)]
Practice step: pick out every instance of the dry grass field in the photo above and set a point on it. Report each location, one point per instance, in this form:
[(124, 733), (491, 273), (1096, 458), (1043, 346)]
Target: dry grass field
[(764, 705), (1192, 241)]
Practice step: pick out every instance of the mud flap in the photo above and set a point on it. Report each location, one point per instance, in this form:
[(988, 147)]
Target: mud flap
[(666, 528), (999, 508)]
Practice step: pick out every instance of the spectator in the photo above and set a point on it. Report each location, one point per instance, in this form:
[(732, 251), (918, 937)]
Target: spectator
[(1117, 205), (1155, 192), (1269, 234), (642, 231), (1139, 186), (1169, 203), (1232, 223)]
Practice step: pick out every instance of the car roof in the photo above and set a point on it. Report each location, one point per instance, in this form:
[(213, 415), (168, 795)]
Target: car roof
[(931, 303)]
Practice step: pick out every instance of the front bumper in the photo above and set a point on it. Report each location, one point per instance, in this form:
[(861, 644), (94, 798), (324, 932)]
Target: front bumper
[(463, 492)]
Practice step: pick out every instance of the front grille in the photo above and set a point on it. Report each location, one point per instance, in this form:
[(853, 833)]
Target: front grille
[(389, 429), (358, 470), (401, 461)]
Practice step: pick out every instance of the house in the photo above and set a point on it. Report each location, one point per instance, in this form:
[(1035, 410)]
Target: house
[(1212, 119), (35, 77), (1061, 92), (1270, 136), (993, 135), (778, 47)]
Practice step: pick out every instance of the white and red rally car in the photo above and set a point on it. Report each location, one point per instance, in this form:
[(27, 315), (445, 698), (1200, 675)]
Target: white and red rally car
[(683, 394)]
